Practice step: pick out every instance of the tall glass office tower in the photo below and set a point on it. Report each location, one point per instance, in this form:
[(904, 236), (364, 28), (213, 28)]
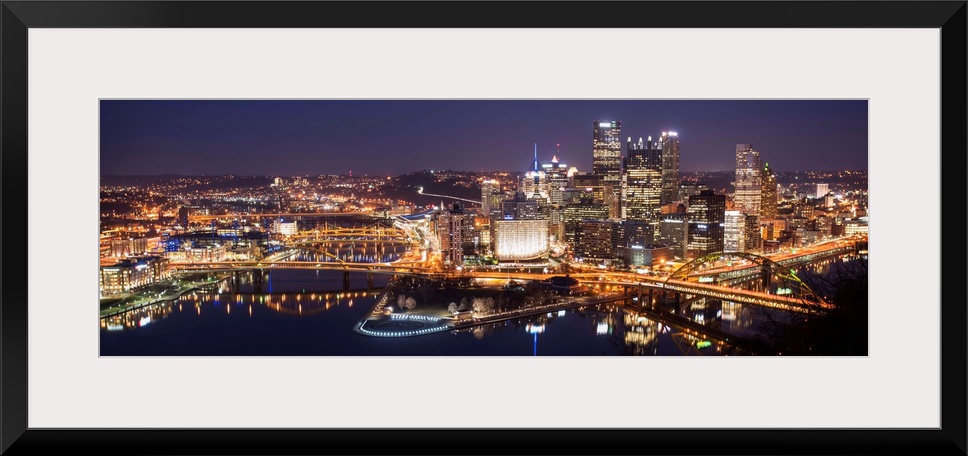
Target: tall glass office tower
[(749, 180), (670, 166)]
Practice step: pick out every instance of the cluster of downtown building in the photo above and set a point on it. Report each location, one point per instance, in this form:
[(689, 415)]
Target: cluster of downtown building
[(632, 210)]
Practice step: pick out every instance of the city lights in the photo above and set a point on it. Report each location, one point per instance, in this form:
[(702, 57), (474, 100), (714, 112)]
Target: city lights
[(643, 244)]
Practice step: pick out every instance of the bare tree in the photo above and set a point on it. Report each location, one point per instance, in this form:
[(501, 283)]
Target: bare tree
[(483, 306)]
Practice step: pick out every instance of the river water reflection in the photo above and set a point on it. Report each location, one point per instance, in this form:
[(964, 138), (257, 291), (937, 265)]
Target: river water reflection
[(308, 314)]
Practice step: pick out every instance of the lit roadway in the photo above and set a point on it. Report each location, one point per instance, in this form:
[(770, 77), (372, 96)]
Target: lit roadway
[(827, 248), (204, 217), (420, 191)]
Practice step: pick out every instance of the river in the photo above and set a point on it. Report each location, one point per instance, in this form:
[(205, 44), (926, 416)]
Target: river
[(308, 314)]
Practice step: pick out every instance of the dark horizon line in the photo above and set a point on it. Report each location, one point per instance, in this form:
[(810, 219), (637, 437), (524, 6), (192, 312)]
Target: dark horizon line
[(427, 169)]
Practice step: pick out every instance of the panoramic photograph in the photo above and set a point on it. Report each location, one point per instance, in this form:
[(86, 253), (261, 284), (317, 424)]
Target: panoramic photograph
[(483, 228)]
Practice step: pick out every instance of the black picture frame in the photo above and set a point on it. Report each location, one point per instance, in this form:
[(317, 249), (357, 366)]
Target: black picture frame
[(17, 16)]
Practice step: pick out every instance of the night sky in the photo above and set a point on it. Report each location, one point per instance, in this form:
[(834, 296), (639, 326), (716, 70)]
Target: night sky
[(283, 137)]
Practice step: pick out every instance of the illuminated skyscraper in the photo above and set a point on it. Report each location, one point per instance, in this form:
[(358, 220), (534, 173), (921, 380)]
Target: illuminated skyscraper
[(670, 167), (535, 183), (822, 190), (450, 230), (733, 231), (706, 214), (749, 192), (488, 188), (557, 177), (749, 183), (768, 198), (607, 151), (575, 213), (673, 232), (643, 177), (590, 183), (752, 234), (595, 240), (607, 162)]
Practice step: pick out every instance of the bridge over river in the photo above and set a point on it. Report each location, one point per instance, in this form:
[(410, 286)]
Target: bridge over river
[(630, 283)]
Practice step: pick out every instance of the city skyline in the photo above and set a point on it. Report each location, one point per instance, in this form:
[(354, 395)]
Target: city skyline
[(286, 137), (592, 246)]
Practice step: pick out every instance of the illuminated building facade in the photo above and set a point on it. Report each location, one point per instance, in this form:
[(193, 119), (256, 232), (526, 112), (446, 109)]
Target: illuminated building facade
[(520, 208), (734, 228), (749, 184), (706, 213), (534, 185), (673, 232), (769, 194), (285, 228), (607, 151), (643, 181), (450, 232), (488, 188), (131, 274), (822, 190), (595, 240), (483, 226), (752, 235), (519, 240), (128, 247), (648, 256), (577, 212), (670, 166), (557, 178), (591, 184), (607, 162), (856, 226), (749, 193), (202, 253), (636, 232)]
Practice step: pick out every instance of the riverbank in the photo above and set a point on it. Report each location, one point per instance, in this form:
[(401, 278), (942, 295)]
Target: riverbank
[(149, 297)]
